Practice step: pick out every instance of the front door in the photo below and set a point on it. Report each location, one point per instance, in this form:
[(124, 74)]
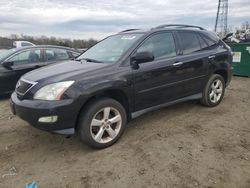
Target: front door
[(23, 62), (154, 82)]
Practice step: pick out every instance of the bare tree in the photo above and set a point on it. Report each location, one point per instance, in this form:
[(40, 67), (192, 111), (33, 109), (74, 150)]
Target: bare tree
[(7, 42)]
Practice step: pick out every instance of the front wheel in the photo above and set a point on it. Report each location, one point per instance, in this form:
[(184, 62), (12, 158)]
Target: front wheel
[(214, 91), (102, 123)]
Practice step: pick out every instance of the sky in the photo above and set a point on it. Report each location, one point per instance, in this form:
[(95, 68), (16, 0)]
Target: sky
[(84, 19)]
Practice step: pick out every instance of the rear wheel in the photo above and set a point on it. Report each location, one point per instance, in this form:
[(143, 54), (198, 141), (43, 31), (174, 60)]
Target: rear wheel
[(102, 123), (213, 93)]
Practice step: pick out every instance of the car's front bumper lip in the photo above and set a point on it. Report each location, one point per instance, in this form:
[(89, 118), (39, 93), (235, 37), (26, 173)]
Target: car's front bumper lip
[(32, 110)]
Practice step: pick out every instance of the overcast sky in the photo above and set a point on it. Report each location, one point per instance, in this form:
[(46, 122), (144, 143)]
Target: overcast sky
[(99, 18)]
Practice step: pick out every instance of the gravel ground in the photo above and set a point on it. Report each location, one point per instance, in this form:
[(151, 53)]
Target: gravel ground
[(186, 145)]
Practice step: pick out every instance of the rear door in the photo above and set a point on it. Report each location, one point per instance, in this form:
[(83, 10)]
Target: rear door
[(193, 66), (23, 62)]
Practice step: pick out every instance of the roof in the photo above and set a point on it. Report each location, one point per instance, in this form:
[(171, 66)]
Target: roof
[(175, 27)]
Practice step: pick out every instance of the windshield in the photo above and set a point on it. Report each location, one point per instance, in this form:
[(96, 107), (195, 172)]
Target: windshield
[(111, 49), (6, 53)]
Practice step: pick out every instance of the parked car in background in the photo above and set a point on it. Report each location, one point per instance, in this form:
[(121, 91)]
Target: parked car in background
[(19, 44), (18, 61), (123, 77)]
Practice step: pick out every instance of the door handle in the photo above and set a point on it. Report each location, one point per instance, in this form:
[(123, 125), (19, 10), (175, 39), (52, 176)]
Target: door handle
[(177, 64), (211, 57)]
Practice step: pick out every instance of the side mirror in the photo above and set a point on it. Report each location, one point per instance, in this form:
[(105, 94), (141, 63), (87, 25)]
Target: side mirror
[(8, 64), (143, 57)]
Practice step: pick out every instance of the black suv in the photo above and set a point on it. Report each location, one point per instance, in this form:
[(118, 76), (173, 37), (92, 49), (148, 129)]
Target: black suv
[(122, 77)]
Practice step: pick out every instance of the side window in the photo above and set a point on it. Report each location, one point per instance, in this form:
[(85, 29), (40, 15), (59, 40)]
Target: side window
[(56, 54), (30, 56), (202, 42), (208, 41), (190, 42), (162, 45), (73, 54)]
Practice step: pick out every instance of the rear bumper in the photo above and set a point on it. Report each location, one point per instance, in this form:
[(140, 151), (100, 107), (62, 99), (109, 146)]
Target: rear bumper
[(229, 75), (31, 110)]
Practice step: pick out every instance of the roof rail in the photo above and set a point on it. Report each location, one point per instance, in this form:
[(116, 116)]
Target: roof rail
[(128, 30), (178, 26)]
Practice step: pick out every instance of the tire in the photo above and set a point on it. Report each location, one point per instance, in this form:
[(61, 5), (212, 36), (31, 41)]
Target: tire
[(213, 94), (95, 125)]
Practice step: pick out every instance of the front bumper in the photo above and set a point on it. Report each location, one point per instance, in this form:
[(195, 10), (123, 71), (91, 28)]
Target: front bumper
[(32, 110)]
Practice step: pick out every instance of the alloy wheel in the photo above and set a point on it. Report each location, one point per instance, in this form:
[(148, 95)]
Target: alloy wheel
[(106, 125), (216, 91)]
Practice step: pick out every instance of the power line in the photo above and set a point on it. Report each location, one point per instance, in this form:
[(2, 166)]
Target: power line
[(221, 18)]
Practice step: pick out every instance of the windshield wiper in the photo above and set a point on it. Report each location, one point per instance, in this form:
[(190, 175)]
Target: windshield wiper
[(89, 60)]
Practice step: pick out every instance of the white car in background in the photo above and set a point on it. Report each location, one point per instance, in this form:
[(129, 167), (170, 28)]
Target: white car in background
[(19, 44)]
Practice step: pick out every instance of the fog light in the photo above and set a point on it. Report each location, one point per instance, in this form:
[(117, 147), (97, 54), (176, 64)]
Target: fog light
[(48, 119)]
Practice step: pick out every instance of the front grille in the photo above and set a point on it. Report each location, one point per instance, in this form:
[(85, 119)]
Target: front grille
[(23, 86)]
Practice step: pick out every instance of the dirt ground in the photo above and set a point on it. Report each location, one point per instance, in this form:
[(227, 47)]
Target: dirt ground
[(186, 145)]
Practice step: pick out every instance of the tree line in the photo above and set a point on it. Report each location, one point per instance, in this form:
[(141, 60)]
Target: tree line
[(7, 42)]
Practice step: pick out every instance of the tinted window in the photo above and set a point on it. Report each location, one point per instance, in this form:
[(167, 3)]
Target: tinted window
[(202, 42), (161, 45), (209, 41), (212, 36), (56, 54), (190, 42), (30, 56)]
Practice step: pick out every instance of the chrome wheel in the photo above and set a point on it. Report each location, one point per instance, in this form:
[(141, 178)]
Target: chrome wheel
[(105, 125), (216, 91)]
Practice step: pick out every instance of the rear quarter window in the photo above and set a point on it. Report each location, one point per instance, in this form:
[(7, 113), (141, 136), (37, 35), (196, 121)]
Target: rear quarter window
[(56, 54), (210, 38), (203, 43), (209, 41)]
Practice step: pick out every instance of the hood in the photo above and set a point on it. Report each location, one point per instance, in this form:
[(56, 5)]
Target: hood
[(62, 71)]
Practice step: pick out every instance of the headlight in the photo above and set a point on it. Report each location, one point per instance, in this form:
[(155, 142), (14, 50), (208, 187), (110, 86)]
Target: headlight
[(53, 91)]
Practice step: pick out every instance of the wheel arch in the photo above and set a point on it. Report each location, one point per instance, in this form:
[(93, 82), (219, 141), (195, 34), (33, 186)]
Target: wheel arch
[(223, 73), (116, 94)]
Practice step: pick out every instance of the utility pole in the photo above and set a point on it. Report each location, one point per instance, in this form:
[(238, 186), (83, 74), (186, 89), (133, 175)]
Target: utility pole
[(221, 18)]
